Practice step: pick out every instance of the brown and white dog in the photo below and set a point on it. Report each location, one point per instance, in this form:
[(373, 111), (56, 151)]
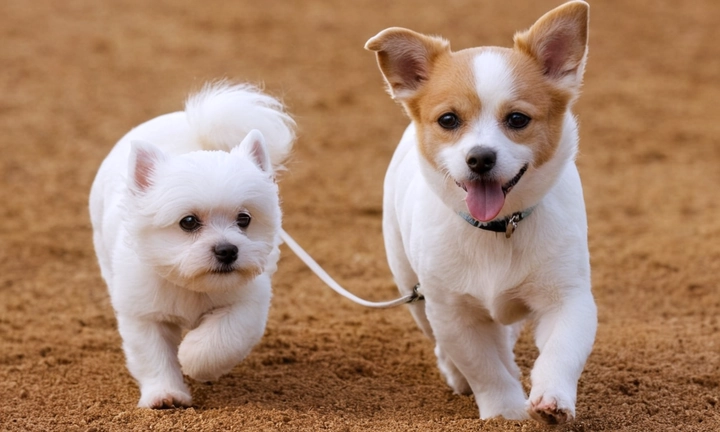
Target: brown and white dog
[(484, 208)]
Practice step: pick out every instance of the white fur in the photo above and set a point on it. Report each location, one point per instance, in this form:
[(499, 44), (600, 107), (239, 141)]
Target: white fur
[(493, 79), (209, 162), (479, 286)]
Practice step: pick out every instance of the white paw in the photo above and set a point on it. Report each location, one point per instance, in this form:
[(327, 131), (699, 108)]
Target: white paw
[(508, 403), (162, 398), (551, 409), (198, 361)]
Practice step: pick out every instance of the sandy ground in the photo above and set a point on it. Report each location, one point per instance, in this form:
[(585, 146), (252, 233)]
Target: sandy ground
[(77, 74)]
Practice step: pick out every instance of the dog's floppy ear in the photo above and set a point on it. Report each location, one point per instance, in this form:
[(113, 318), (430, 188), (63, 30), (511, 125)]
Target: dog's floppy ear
[(405, 58), (144, 159), (255, 148), (558, 40)]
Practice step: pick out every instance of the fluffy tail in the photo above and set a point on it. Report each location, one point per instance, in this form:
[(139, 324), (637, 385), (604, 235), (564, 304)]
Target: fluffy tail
[(222, 114)]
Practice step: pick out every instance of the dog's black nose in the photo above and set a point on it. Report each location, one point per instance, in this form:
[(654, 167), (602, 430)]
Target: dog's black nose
[(481, 159), (226, 253)]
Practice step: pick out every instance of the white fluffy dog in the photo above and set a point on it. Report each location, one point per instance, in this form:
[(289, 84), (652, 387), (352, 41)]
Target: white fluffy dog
[(484, 208), (186, 220)]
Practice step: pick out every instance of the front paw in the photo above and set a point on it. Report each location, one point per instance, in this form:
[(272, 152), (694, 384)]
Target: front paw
[(551, 409), (198, 361), (163, 398)]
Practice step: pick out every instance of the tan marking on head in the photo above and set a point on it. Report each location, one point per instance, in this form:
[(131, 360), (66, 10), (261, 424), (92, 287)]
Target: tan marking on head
[(451, 88), (428, 79), (536, 97), (547, 63)]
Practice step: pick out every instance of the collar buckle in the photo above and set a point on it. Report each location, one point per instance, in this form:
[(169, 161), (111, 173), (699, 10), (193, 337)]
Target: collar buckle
[(507, 225), (512, 224)]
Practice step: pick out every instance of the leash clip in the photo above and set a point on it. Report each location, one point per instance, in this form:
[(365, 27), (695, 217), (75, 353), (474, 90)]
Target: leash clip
[(416, 296)]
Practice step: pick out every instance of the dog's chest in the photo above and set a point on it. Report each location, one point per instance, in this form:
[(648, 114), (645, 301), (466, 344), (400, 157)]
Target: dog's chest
[(184, 310), (174, 305), (485, 267)]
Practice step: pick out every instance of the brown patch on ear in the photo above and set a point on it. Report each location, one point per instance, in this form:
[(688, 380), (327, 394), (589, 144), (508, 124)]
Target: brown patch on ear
[(558, 42), (548, 61), (406, 58)]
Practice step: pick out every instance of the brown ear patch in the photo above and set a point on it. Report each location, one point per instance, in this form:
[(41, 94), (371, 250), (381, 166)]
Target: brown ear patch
[(549, 61), (406, 58), (558, 41)]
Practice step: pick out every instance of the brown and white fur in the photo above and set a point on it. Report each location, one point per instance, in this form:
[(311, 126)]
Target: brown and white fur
[(492, 134)]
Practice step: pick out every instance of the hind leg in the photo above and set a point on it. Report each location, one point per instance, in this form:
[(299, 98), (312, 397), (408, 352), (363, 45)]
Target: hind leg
[(403, 273), (453, 377), (406, 279)]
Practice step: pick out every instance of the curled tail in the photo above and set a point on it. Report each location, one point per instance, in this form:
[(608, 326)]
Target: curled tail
[(222, 114)]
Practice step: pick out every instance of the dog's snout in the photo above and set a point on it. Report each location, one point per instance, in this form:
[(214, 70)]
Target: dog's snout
[(481, 159), (226, 253)]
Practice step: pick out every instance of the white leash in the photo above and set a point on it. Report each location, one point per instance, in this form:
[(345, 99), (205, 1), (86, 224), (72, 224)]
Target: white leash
[(322, 274)]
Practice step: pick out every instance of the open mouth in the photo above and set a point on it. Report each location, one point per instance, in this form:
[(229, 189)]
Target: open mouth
[(485, 197), (507, 187)]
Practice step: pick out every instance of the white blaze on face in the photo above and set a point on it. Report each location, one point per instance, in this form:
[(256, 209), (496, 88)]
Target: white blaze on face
[(494, 82), (485, 197)]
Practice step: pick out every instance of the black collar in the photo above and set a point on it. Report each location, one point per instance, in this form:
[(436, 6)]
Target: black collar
[(505, 225)]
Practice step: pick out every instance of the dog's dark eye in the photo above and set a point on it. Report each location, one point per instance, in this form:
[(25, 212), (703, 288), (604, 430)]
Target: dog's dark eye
[(449, 121), (243, 219), (190, 223), (517, 120)]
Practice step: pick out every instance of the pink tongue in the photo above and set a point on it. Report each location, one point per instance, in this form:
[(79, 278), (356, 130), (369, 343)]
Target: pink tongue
[(484, 199)]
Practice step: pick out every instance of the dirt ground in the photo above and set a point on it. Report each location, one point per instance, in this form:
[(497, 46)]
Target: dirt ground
[(77, 74)]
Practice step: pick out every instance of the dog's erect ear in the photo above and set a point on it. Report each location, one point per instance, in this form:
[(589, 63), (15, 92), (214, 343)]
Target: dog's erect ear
[(254, 147), (558, 40), (144, 159), (406, 58)]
